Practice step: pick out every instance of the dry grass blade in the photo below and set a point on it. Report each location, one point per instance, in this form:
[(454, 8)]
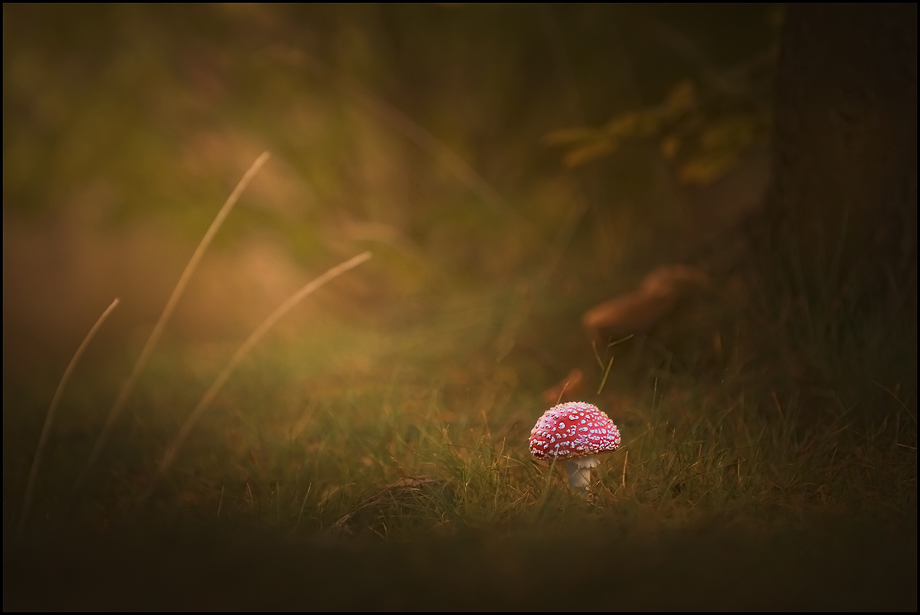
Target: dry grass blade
[(896, 398), (167, 313), (240, 354), (49, 418)]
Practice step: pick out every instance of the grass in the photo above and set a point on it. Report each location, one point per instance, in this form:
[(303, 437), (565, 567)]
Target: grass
[(402, 461), (407, 475), (241, 353)]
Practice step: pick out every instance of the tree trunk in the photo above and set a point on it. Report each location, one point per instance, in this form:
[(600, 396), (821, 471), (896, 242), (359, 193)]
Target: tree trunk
[(842, 204)]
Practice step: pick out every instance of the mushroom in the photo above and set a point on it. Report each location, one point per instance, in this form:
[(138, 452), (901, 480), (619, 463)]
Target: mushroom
[(575, 431), (639, 310)]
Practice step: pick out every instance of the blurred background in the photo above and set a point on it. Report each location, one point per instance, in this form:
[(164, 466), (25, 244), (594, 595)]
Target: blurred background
[(424, 134)]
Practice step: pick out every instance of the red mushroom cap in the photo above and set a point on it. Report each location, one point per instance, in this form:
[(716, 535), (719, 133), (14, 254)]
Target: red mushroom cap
[(573, 429)]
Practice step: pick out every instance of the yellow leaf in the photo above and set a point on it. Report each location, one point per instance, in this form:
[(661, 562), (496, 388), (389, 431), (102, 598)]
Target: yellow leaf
[(635, 124), (704, 170), (732, 133), (623, 125), (567, 136), (670, 145), (682, 96), (592, 151)]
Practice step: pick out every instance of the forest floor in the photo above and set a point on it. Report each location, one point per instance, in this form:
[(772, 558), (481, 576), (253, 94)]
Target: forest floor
[(384, 465)]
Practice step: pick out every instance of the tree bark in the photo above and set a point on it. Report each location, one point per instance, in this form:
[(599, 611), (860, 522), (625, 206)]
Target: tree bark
[(842, 203)]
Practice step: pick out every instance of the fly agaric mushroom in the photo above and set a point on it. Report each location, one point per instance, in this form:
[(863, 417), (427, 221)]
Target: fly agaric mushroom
[(575, 431)]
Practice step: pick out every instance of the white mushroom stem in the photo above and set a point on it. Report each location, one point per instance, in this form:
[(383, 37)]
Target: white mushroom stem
[(580, 471)]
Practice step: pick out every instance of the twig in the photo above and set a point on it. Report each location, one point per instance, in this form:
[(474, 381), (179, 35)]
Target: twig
[(160, 325), (49, 417), (240, 354)]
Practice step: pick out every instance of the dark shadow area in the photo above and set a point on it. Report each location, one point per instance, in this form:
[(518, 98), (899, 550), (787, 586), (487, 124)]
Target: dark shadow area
[(841, 567)]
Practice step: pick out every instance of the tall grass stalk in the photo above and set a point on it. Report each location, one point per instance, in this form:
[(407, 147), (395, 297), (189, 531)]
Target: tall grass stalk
[(241, 353), (49, 417), (167, 313)]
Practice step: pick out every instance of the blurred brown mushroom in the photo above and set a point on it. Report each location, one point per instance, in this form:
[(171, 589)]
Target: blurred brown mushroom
[(639, 310), (569, 388)]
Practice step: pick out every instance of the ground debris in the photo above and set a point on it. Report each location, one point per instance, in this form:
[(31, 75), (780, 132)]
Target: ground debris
[(397, 499)]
